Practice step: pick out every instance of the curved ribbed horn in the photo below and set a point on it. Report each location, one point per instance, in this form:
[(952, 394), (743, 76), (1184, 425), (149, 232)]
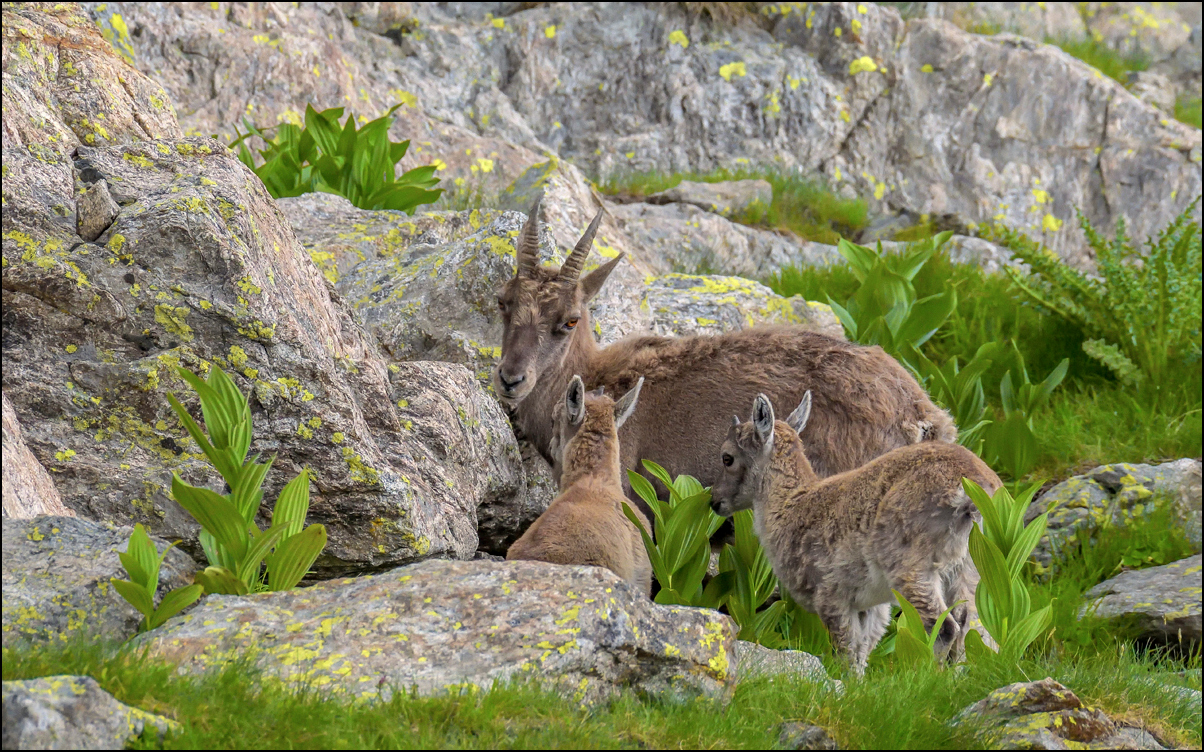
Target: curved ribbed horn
[(527, 256), (572, 265)]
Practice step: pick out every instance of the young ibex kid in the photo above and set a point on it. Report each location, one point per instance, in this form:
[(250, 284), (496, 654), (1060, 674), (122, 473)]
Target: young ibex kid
[(839, 545), (585, 523)]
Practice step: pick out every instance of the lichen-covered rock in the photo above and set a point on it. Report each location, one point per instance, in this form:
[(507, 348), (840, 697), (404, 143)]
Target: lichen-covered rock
[(446, 626), (1046, 715), (1080, 505), (922, 117), (755, 661), (56, 573), (684, 304), (71, 712), (95, 210), (681, 237), (730, 198), (1162, 603), (796, 735), (28, 489), (200, 267), (65, 85)]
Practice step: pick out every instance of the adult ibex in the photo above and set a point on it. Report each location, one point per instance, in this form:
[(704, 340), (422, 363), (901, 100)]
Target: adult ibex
[(865, 403)]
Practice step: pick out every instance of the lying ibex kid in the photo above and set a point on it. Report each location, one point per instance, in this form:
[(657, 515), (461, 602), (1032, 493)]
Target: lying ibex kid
[(839, 545), (585, 523)]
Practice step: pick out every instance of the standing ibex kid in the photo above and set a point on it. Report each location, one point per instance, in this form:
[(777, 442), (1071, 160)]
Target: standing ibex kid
[(585, 523), (839, 545)]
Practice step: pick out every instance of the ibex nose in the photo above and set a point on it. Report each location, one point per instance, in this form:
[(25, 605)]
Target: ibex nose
[(510, 383)]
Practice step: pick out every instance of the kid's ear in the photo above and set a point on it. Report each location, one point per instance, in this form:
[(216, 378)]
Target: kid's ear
[(762, 417), (798, 418), (574, 401), (626, 405)]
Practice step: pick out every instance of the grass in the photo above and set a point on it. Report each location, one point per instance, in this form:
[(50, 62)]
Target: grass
[(237, 708), (1097, 54), (1187, 110), (803, 207)]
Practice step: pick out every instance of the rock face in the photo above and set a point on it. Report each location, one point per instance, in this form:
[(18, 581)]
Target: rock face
[(28, 489), (1162, 603), (1047, 715), (446, 626), (684, 304), (56, 574), (1079, 505), (71, 712), (923, 116), (731, 198)]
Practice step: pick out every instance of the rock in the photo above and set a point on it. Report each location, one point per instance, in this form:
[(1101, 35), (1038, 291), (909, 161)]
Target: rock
[(28, 489), (56, 574), (95, 210), (730, 198), (1080, 504), (490, 102), (1162, 603), (683, 238), (1037, 21), (1047, 715), (72, 712), (1154, 89), (756, 661), (65, 85), (796, 735), (684, 304), (449, 626)]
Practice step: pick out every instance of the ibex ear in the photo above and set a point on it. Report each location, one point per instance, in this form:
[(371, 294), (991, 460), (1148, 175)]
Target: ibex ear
[(735, 420), (626, 405), (594, 280), (574, 401), (798, 418), (762, 418)]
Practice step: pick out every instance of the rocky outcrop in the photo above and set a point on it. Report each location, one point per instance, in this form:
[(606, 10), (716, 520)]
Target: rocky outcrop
[(1159, 603), (1113, 494), (28, 489), (922, 116), (447, 626), (72, 712), (729, 198), (56, 573), (684, 304), (1046, 715)]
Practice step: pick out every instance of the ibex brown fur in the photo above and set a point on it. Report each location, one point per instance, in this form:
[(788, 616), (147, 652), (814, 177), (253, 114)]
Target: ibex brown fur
[(839, 545), (585, 523), (865, 402)]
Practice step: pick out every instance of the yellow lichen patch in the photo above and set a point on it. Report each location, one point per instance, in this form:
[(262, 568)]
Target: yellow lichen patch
[(679, 37), (732, 69), (550, 31), (926, 68), (1050, 223), (864, 64), (172, 319), (138, 159)]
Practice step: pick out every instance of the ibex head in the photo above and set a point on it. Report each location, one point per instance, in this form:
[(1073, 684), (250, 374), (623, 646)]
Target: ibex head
[(544, 309), (747, 452)]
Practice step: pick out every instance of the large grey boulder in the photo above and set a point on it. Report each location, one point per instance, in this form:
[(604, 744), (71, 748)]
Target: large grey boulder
[(28, 489), (449, 626), (757, 661), (1162, 603), (72, 712), (1112, 494), (684, 304), (922, 116), (56, 573), (1046, 715)]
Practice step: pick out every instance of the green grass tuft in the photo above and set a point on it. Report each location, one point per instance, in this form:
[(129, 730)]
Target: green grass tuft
[(803, 207), (1097, 54), (1187, 110)]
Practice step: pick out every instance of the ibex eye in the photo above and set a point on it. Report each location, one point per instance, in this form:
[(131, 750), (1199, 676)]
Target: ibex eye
[(727, 460), (501, 304), (570, 323)]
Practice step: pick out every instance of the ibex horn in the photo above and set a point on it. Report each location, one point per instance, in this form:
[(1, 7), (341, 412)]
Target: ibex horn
[(572, 265), (528, 242)]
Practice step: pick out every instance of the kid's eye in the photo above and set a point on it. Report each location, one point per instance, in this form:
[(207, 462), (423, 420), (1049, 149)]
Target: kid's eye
[(727, 460)]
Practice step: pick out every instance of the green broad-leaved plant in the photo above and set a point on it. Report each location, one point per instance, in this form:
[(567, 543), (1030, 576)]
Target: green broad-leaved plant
[(1000, 549), (959, 389), (885, 310), (749, 582), (1012, 442), (915, 646), (359, 164), (233, 543), (683, 527), (142, 563)]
